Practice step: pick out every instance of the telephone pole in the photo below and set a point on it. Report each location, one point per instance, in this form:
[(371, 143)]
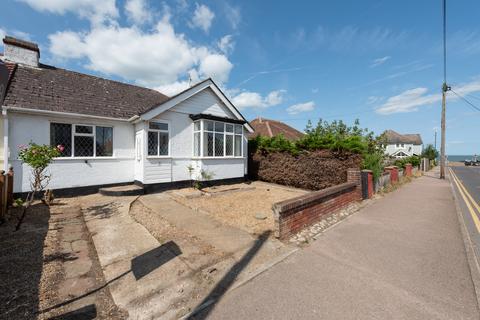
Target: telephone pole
[(435, 139), (445, 88)]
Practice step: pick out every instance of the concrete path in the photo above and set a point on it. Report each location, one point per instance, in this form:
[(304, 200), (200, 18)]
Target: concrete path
[(173, 259), (402, 257)]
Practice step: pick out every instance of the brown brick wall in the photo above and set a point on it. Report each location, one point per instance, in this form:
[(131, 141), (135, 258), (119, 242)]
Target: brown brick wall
[(293, 215)]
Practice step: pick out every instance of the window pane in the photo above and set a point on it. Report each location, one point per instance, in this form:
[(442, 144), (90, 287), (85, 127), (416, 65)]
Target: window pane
[(238, 146), (208, 125), (229, 145), (219, 126), (208, 144), (152, 143), (158, 126), (104, 141), (83, 146), (196, 126), (196, 144), (163, 143), (229, 127), (61, 134), (83, 129), (219, 144), (238, 129)]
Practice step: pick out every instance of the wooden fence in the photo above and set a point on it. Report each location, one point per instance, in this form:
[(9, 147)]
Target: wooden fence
[(6, 192)]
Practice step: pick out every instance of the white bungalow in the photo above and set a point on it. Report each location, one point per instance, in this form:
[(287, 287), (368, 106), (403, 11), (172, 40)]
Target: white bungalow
[(115, 133), (403, 145)]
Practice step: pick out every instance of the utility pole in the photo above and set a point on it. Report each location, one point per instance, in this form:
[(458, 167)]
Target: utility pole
[(435, 144), (445, 88)]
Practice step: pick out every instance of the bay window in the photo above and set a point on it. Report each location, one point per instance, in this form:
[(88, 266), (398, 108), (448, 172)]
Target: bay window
[(217, 139), (81, 140), (158, 139)]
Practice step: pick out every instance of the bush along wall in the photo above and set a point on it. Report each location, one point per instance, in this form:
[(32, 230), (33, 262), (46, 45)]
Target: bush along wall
[(318, 160), (313, 170)]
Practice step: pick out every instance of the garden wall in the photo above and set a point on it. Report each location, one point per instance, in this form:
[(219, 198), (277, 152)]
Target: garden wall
[(313, 170), (294, 214)]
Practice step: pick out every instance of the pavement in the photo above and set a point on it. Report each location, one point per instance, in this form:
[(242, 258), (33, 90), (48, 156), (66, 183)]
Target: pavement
[(402, 257)]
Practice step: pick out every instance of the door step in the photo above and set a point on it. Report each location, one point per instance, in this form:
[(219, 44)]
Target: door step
[(128, 190)]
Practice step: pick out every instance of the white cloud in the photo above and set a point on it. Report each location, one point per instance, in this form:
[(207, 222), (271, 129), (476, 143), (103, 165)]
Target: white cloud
[(411, 100), (301, 107), (172, 89), (155, 58), (374, 99), (137, 11), (232, 15), (226, 44), (248, 99), (379, 61), (94, 10), (216, 66), (202, 17)]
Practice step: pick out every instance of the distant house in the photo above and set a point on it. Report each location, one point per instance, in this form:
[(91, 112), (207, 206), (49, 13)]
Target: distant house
[(271, 128), (403, 145), (113, 132)]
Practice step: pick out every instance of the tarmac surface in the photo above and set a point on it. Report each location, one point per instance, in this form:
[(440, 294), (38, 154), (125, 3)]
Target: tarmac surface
[(403, 257)]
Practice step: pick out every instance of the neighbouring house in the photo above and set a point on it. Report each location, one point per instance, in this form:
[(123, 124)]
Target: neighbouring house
[(116, 133), (271, 128), (403, 145)]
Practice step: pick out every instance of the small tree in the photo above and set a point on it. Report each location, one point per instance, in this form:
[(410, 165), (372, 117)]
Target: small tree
[(430, 152), (38, 157)]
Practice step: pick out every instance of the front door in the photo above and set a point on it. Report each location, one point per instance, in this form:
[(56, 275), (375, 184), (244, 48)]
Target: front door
[(138, 174)]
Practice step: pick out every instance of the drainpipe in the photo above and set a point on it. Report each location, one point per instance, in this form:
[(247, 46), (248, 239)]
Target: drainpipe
[(5, 138)]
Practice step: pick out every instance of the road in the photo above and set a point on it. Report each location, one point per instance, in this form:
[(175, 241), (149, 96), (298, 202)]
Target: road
[(466, 181), (402, 257)]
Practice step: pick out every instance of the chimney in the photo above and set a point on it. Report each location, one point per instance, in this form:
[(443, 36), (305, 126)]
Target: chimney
[(259, 119), (21, 51)]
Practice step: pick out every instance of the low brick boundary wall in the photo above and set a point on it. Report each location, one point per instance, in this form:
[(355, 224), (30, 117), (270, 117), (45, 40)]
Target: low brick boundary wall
[(294, 214)]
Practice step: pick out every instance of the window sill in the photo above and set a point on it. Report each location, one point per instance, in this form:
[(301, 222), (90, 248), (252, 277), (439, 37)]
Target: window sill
[(91, 158), (214, 158), (159, 157)]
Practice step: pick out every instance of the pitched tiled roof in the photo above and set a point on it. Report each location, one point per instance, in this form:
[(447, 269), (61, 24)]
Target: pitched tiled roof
[(53, 89), (395, 137), (271, 128)]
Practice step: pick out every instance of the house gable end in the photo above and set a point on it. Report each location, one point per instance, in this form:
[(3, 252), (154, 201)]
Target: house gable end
[(213, 100)]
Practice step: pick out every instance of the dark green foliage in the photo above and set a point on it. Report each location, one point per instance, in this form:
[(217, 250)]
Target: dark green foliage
[(413, 160), (374, 162), (430, 152), (335, 136)]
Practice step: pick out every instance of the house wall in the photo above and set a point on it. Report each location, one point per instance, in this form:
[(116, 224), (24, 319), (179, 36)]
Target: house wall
[(409, 149), (66, 172), (174, 167)]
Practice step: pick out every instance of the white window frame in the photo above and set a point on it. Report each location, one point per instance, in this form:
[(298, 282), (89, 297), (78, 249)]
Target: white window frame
[(158, 133), (93, 134), (202, 132)]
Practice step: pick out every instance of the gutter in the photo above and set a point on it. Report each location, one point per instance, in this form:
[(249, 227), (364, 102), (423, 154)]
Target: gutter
[(5, 138), (58, 113)]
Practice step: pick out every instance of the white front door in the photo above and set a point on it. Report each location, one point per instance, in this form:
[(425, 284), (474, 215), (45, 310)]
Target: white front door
[(138, 174)]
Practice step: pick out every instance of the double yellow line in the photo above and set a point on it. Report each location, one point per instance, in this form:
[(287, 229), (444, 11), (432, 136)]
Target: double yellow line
[(469, 201)]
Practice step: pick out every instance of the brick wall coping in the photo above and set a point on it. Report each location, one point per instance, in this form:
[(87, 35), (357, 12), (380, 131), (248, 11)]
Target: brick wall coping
[(391, 167), (311, 198), (366, 170)]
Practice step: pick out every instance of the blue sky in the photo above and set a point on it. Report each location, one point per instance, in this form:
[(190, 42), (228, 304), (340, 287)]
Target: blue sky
[(379, 61)]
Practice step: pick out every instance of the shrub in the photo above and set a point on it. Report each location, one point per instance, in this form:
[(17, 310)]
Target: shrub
[(413, 160), (38, 157), (430, 152), (335, 136), (374, 161)]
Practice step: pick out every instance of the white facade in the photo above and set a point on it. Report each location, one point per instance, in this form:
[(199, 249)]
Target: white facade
[(402, 150), (130, 160)]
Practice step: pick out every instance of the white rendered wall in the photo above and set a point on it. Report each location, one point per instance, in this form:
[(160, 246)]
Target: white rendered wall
[(68, 173)]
